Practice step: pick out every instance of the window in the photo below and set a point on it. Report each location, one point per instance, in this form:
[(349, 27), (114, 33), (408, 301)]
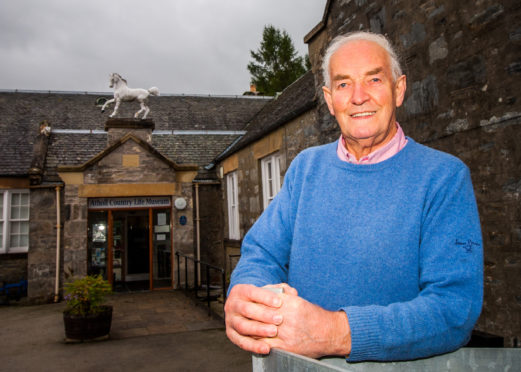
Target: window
[(14, 221), (233, 206), (270, 168)]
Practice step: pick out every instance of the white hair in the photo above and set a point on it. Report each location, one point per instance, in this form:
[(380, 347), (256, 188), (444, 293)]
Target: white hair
[(342, 40)]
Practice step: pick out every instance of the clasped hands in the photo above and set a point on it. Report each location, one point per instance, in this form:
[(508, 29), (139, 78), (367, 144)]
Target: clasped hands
[(258, 320)]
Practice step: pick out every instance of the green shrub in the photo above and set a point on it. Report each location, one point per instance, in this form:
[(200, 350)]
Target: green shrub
[(85, 296)]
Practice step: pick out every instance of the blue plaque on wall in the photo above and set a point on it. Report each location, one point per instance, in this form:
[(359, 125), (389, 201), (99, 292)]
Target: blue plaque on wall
[(182, 220)]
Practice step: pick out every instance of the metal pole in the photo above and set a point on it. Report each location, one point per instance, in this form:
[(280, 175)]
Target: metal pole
[(178, 275), (198, 233), (58, 234), (186, 274), (208, 288), (196, 277)]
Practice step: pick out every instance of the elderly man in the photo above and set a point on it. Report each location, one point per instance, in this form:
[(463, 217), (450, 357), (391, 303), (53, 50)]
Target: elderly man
[(375, 238)]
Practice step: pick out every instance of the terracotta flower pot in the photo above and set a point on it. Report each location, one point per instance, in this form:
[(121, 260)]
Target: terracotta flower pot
[(89, 327)]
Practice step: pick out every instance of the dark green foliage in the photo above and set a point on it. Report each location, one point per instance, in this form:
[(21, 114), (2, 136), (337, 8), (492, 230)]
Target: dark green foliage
[(85, 296), (276, 63)]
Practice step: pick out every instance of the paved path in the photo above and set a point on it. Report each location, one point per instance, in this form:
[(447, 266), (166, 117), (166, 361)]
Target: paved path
[(151, 331)]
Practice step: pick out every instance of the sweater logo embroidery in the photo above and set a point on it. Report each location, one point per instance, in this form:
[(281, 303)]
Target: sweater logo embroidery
[(468, 245)]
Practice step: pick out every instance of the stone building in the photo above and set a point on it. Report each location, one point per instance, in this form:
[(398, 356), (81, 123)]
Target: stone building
[(81, 194), (253, 167), (463, 67)]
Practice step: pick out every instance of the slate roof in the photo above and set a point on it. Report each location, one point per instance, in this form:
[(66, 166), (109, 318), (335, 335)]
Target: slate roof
[(186, 148), (16, 147), (67, 113), (71, 150), (296, 99), (22, 112), (78, 110)]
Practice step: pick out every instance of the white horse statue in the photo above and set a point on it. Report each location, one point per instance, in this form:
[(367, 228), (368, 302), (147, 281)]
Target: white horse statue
[(126, 94)]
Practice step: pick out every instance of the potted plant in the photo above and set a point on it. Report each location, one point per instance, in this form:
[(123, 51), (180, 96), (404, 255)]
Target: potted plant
[(86, 317)]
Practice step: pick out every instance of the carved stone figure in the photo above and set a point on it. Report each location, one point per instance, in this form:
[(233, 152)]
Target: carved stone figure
[(122, 93)]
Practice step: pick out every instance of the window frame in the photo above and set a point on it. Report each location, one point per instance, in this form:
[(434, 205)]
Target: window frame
[(232, 196), (269, 192), (7, 221)]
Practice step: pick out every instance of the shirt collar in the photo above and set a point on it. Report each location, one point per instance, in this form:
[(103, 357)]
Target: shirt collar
[(390, 149)]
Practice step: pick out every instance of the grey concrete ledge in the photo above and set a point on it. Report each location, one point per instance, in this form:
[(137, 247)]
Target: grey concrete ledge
[(465, 359)]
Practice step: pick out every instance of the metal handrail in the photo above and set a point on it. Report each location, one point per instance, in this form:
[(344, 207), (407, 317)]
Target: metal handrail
[(207, 268)]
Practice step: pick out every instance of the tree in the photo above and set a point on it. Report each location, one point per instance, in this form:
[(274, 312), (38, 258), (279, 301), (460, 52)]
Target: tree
[(276, 63)]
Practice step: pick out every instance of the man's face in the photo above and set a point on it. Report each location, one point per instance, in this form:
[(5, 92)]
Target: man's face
[(363, 97)]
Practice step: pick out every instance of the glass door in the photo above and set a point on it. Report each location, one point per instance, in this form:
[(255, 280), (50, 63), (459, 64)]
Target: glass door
[(131, 248), (161, 249), (97, 244), (137, 268), (118, 251)]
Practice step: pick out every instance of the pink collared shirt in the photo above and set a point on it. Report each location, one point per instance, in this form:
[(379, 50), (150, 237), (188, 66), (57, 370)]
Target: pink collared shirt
[(390, 149)]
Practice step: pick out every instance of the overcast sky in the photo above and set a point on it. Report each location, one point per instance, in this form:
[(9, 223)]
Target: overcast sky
[(180, 46)]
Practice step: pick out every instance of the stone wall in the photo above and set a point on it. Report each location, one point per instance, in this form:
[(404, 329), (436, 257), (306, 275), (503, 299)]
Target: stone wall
[(494, 157), (41, 263), (129, 163), (212, 250), (184, 234), (463, 67), (119, 127), (300, 134), (75, 234), (13, 267)]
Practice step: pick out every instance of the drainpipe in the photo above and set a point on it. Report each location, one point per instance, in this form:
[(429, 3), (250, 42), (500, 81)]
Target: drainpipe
[(58, 233), (198, 234)]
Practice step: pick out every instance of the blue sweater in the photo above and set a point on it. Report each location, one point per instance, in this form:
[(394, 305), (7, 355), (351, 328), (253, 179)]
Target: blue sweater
[(396, 245)]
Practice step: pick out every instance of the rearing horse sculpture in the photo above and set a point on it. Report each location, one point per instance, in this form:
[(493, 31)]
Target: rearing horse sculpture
[(126, 94)]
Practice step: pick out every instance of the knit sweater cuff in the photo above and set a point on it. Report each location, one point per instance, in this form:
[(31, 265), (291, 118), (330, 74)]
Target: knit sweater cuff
[(365, 334)]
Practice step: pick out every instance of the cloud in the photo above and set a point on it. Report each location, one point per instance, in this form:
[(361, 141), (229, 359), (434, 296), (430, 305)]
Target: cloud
[(191, 47)]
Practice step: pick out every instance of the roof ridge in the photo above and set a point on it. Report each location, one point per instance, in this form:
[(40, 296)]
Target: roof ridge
[(81, 92)]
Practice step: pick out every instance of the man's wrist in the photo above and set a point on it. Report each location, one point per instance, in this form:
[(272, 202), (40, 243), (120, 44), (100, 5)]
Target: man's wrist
[(341, 334)]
